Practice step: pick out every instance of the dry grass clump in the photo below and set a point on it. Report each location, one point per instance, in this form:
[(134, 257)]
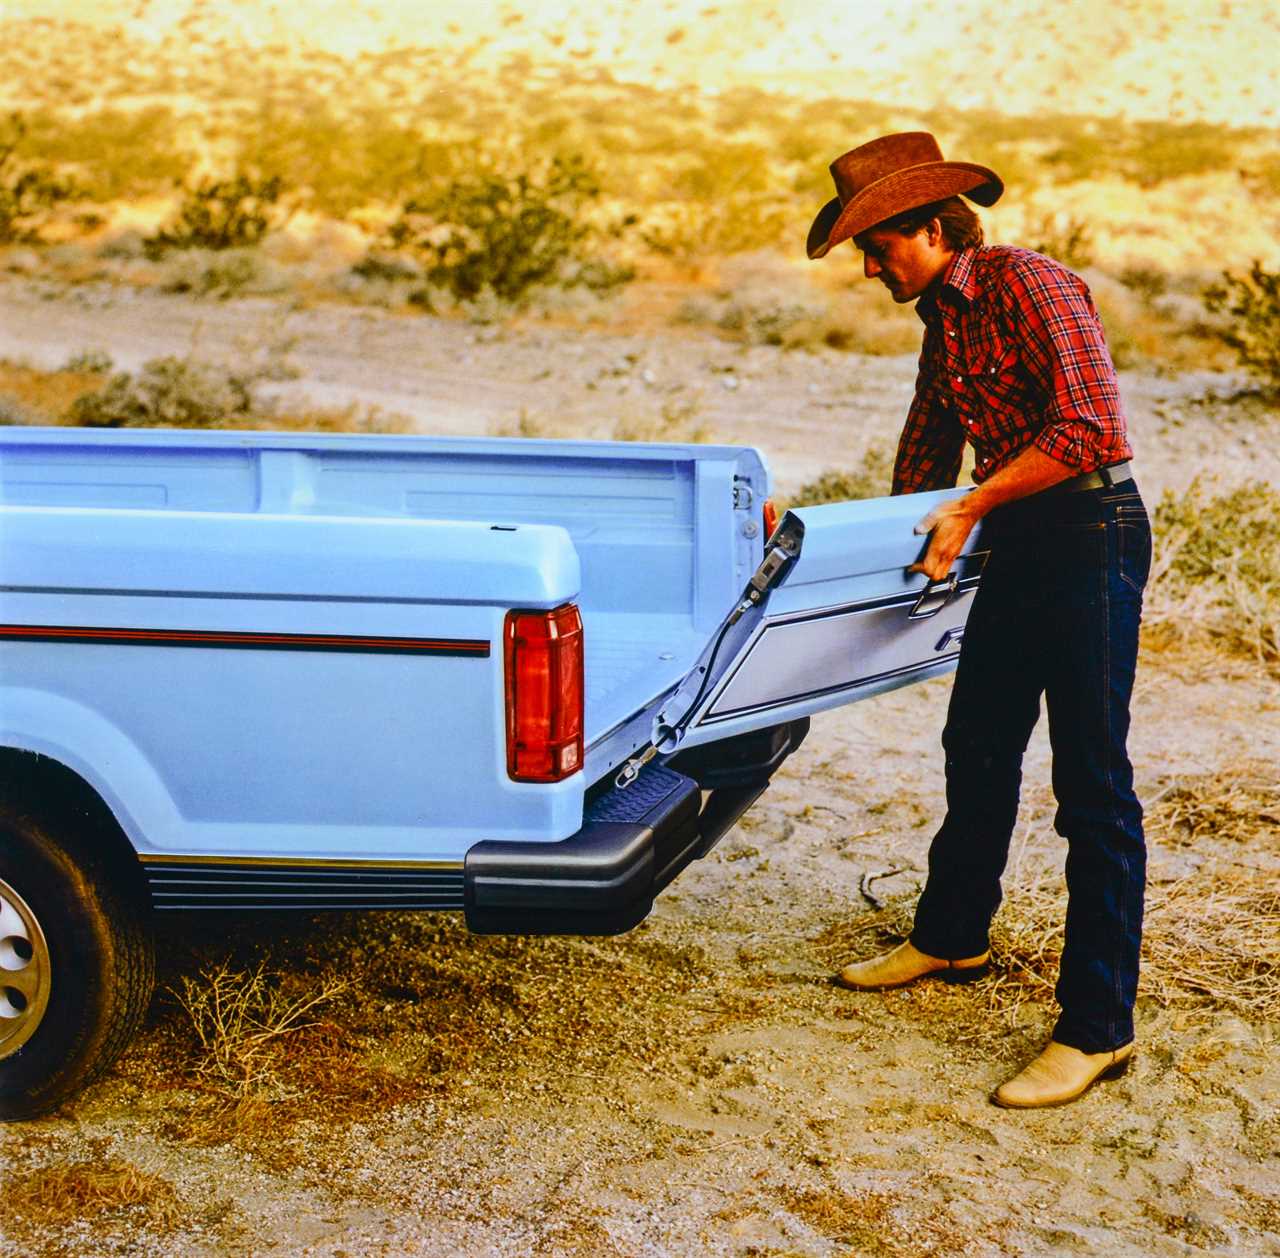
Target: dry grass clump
[(253, 1047), (1216, 937), (1216, 572), (54, 1196), (863, 1220), (257, 1044), (447, 1006), (1211, 938), (1240, 804), (239, 1019)]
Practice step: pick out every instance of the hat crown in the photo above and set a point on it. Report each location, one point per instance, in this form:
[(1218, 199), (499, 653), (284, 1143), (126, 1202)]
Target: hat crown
[(859, 168)]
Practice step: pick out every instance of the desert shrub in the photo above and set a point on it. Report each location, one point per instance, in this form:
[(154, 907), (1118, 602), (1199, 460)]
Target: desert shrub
[(1252, 303), (872, 479), (1065, 238), (240, 1017), (1148, 282), (388, 267), (1217, 569), (737, 222), (1146, 153), (676, 421), (719, 200), (171, 392), (1158, 151), (510, 234), (226, 274), (767, 322), (350, 154), (29, 191), (90, 361), (221, 214), (114, 152)]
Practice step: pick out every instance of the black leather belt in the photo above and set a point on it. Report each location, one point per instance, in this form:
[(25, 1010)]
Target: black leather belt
[(1103, 478)]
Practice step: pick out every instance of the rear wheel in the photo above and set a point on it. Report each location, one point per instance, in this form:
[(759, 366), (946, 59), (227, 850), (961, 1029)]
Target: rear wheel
[(76, 963)]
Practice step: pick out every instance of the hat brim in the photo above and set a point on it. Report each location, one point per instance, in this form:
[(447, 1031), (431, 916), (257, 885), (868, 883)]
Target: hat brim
[(895, 194)]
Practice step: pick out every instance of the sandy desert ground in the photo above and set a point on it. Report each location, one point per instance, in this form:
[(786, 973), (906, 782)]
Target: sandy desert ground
[(698, 1086)]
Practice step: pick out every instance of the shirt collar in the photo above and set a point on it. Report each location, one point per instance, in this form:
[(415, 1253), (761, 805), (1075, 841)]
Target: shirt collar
[(959, 285)]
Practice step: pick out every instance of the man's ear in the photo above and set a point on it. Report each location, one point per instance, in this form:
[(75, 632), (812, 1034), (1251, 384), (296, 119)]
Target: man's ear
[(933, 231)]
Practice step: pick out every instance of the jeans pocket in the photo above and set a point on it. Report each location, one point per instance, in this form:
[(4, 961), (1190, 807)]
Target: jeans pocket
[(1133, 546)]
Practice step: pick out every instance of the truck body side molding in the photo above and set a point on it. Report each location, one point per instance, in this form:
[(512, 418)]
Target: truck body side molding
[(476, 648)]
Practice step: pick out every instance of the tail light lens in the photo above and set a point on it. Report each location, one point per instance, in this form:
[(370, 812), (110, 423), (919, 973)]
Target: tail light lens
[(544, 694), (770, 518)]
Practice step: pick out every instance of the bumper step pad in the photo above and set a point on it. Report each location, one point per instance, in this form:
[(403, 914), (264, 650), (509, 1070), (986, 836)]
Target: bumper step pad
[(600, 881)]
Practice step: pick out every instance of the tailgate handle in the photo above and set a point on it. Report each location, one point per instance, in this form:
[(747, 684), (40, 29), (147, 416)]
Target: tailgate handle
[(939, 591)]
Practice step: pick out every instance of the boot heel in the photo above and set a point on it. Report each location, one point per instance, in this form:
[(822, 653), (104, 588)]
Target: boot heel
[(1116, 1070), (970, 974)]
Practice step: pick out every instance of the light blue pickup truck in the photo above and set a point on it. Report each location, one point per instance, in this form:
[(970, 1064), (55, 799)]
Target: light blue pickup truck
[(526, 680)]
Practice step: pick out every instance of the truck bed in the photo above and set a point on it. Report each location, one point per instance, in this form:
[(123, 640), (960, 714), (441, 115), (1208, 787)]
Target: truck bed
[(388, 535)]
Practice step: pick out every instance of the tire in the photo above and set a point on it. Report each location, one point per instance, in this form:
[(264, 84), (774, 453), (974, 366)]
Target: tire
[(76, 962)]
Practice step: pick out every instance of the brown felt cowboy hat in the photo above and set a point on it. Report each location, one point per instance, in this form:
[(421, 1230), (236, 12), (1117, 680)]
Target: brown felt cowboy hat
[(889, 176)]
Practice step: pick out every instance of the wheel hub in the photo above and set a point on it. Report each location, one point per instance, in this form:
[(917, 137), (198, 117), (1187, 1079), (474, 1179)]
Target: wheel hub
[(25, 972)]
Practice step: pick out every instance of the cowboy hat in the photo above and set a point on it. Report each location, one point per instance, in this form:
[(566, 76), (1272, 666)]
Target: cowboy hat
[(888, 176)]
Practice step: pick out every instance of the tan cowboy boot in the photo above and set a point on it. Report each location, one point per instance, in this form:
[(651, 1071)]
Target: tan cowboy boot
[(1061, 1074), (904, 965)]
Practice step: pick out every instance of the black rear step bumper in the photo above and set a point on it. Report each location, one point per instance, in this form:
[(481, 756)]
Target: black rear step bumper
[(633, 842)]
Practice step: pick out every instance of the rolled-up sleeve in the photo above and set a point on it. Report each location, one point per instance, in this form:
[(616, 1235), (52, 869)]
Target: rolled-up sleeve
[(1066, 353)]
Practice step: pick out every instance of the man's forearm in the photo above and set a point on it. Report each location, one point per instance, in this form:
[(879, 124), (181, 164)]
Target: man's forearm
[(1030, 472), (950, 523)]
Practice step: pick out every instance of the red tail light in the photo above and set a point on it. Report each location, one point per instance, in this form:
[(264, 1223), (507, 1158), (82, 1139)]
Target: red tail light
[(544, 694), (770, 518)]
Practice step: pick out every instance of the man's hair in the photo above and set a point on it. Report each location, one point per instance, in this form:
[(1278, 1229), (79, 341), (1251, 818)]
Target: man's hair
[(961, 227)]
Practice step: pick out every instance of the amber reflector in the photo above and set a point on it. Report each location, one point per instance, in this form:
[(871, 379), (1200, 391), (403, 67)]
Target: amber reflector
[(770, 518), (544, 694)]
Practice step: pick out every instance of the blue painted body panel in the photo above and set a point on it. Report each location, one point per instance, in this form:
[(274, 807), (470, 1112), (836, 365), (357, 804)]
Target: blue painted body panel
[(855, 556), (205, 750)]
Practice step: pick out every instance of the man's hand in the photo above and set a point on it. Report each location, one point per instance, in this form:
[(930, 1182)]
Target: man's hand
[(948, 525)]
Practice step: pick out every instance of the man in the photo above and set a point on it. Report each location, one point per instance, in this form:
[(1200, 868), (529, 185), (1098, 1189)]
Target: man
[(1014, 362)]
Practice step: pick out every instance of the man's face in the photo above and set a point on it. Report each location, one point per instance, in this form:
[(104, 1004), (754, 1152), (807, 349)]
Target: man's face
[(905, 265)]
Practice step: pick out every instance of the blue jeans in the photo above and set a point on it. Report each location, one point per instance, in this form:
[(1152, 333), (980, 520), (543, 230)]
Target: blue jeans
[(1056, 614)]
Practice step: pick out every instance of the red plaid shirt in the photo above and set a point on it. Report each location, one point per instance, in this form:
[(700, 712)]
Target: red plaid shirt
[(1013, 356)]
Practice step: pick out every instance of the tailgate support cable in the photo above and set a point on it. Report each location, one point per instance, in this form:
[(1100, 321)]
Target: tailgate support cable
[(780, 554)]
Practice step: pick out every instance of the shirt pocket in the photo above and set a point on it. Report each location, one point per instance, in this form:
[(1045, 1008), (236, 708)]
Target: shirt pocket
[(992, 363), (994, 383)]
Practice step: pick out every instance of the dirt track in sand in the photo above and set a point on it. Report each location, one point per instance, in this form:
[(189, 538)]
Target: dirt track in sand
[(698, 1086)]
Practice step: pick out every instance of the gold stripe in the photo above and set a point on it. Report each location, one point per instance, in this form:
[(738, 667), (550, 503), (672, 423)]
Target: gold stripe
[(303, 862)]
